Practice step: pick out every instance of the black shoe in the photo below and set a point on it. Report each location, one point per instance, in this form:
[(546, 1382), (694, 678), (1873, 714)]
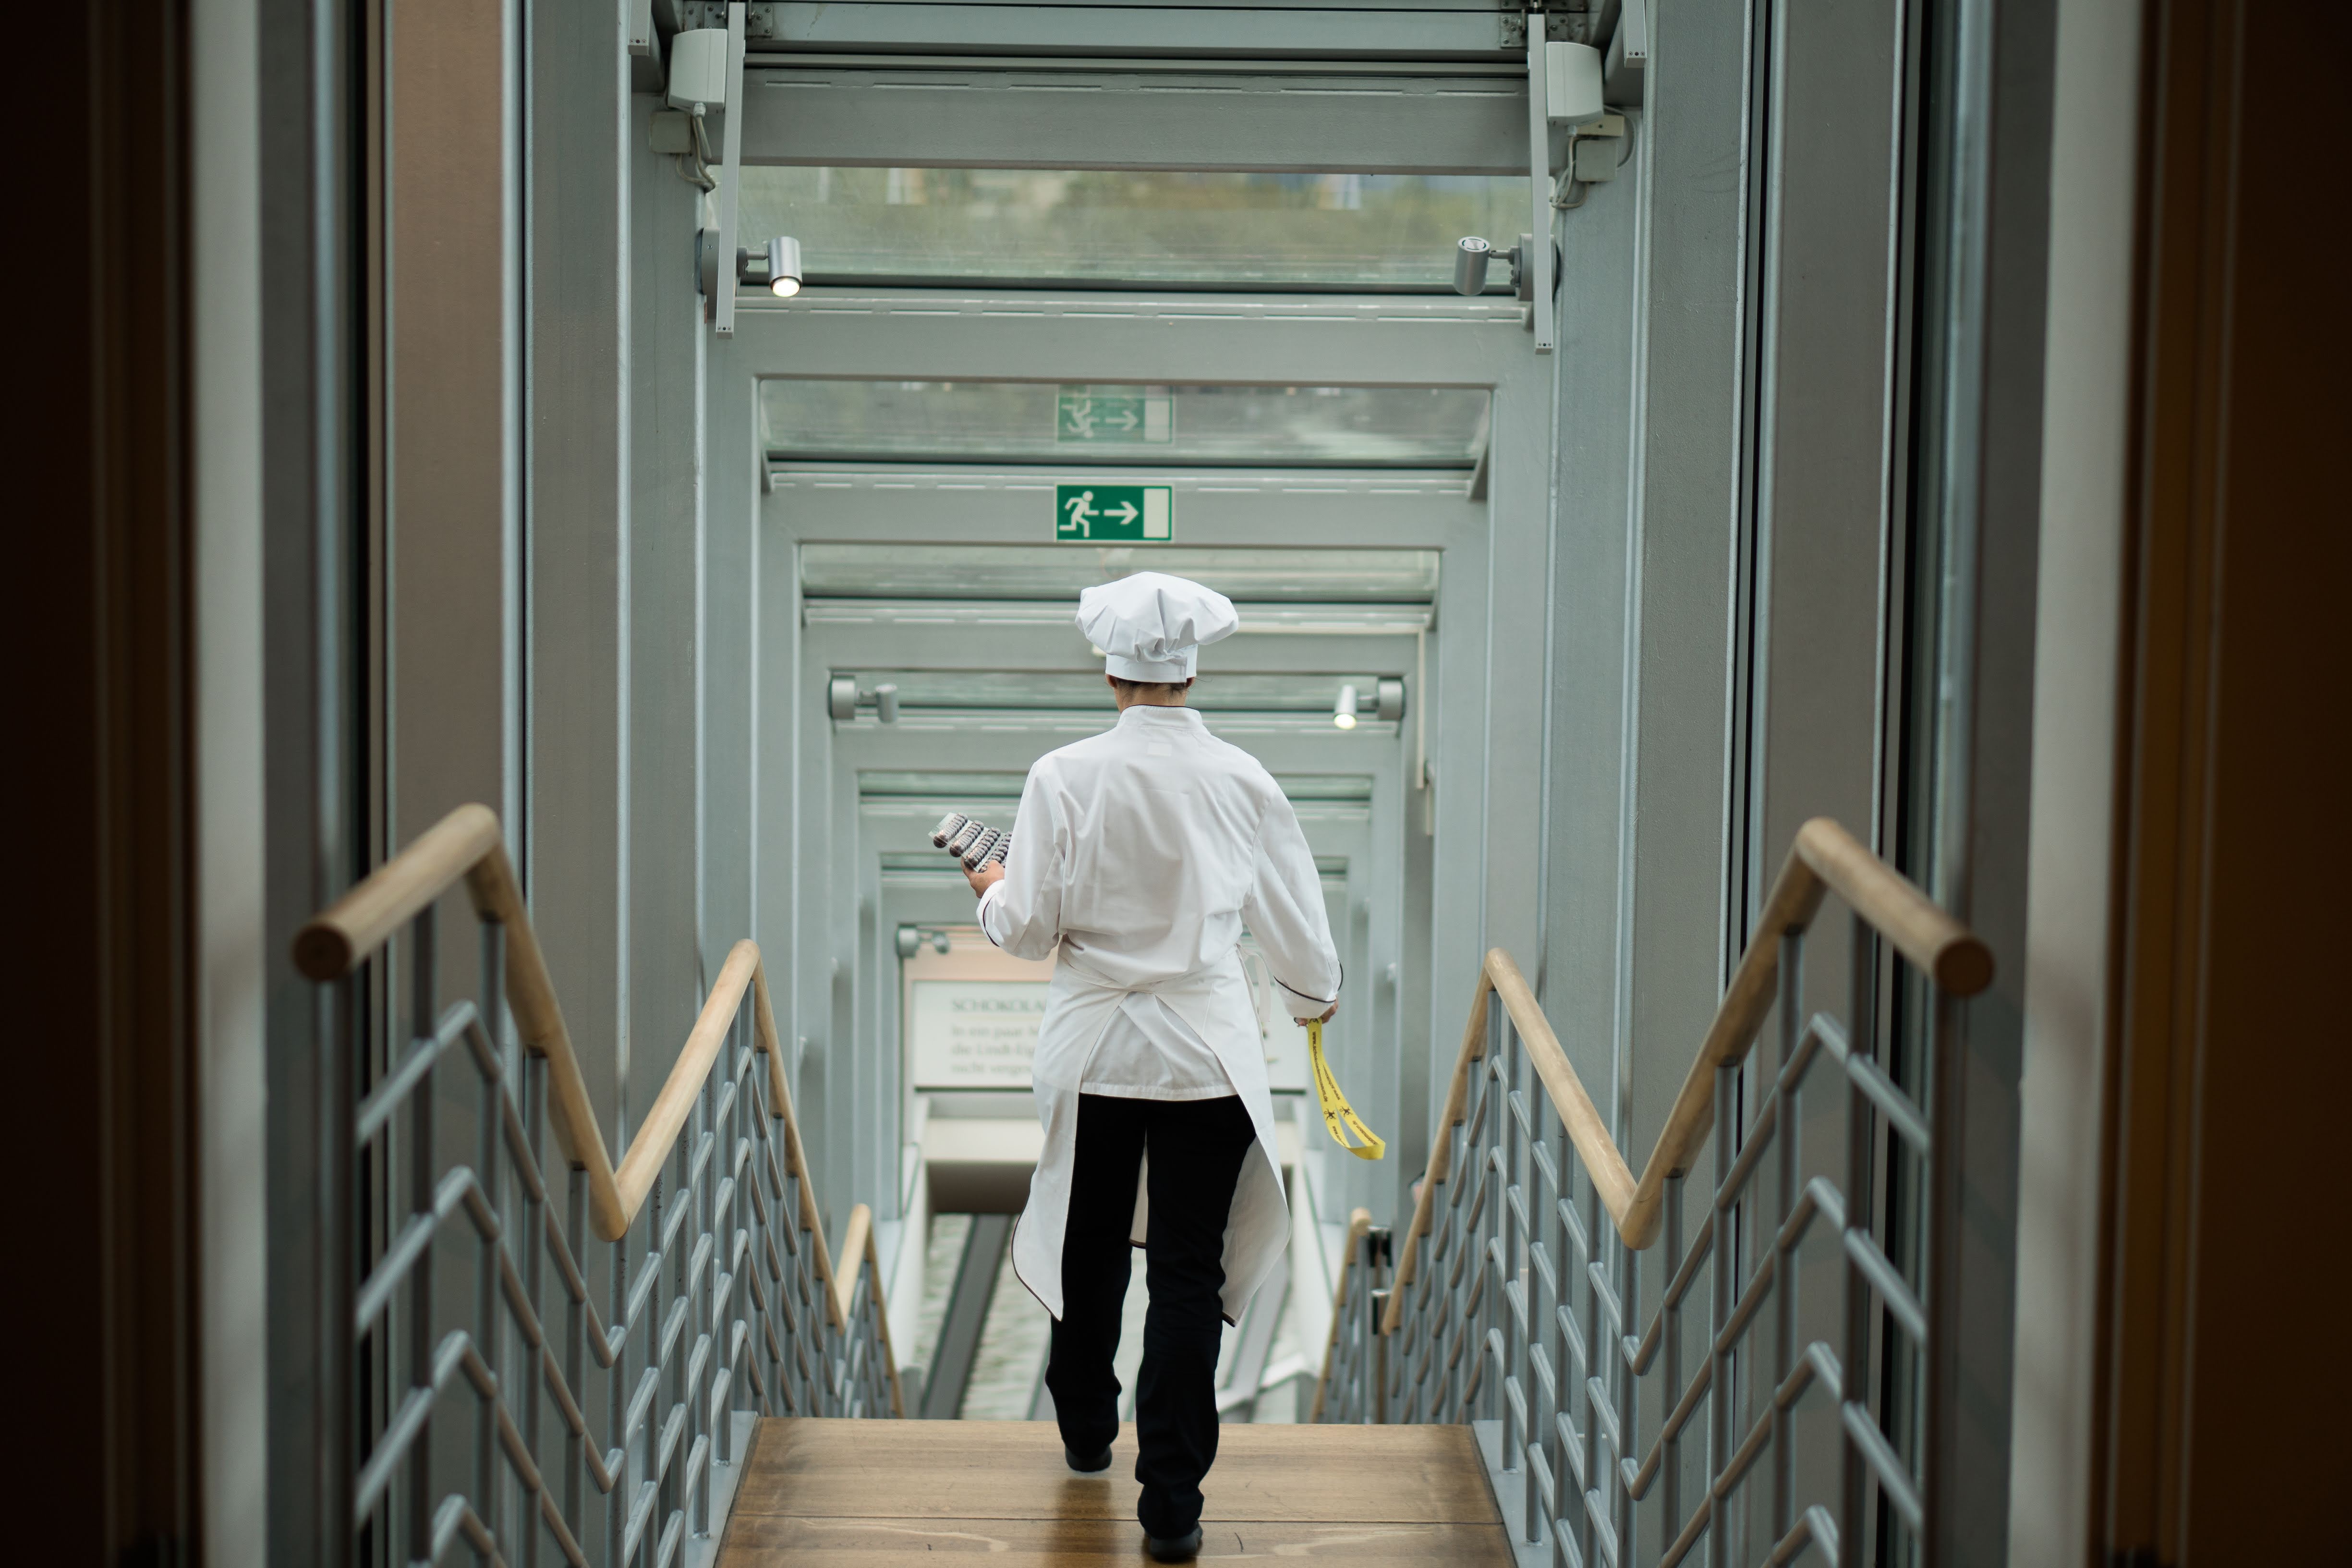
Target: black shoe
[(1082, 1466), (1183, 1549)]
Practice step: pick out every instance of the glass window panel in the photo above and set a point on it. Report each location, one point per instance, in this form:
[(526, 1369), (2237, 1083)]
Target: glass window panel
[(1349, 427), (1368, 231), (1061, 570)]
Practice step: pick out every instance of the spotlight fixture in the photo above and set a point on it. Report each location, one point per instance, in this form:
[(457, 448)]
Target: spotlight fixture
[(911, 940), (1470, 259), (845, 697), (1343, 713), (784, 267), (778, 269), (1472, 254)]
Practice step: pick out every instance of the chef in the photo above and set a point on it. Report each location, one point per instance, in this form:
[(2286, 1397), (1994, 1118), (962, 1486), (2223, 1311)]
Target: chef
[(1139, 856)]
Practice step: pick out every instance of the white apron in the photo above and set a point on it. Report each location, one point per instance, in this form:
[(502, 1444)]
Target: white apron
[(1215, 1002)]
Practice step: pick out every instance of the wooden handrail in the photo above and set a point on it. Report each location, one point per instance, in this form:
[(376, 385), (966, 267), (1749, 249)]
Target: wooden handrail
[(1824, 859), (466, 845)]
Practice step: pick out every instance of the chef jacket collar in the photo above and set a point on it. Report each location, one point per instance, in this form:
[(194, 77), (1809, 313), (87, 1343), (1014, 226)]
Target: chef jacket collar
[(1142, 714)]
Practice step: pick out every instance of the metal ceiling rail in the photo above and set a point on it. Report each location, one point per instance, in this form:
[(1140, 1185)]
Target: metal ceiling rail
[(1420, 30), (730, 1303), (1511, 1306)]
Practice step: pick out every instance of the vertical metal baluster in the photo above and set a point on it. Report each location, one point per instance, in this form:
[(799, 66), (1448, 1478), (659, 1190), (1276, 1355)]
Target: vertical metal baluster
[(1724, 1271), (1621, 1374), (1784, 1263), (1670, 1365), (531, 1244), (490, 1324), (1509, 1270), (1586, 1525), (795, 1267), (732, 1055), (1361, 1329), (1549, 1188), (421, 961), (660, 1263), (768, 1234), (617, 1397), (1447, 1298), (1854, 1377), (706, 1205), (1490, 1403), (1548, 1192), (1352, 1334), (575, 1319), (1464, 1237)]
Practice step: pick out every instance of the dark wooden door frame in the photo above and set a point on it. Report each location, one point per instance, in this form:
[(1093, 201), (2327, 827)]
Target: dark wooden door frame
[(2220, 1385), (95, 610)]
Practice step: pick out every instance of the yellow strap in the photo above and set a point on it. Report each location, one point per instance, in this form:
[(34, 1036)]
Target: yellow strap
[(1336, 1107)]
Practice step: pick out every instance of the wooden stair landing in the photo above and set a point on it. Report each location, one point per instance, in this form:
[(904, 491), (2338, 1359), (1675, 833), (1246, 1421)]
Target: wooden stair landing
[(868, 1494)]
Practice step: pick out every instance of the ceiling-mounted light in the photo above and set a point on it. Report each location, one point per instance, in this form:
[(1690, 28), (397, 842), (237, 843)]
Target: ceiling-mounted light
[(784, 267), (1343, 713)]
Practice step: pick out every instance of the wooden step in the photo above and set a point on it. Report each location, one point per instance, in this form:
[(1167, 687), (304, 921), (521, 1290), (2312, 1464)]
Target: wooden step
[(866, 1494)]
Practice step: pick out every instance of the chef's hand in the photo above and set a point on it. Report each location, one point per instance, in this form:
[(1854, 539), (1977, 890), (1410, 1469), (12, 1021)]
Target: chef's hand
[(1326, 1018), (987, 877)]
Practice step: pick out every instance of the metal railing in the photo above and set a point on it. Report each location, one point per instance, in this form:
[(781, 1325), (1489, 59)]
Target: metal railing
[(476, 1318), (1513, 1304), (1349, 1388)]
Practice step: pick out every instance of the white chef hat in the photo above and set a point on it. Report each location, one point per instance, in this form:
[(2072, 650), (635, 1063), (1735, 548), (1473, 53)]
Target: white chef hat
[(1151, 626)]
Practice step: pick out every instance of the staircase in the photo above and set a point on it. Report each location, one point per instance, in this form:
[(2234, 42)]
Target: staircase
[(881, 1494), (554, 1356), (1513, 1300), (697, 1391)]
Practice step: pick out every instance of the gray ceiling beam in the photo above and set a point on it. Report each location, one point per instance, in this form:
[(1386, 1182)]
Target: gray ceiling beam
[(1294, 341), (1439, 31), (1043, 120), (1061, 649)]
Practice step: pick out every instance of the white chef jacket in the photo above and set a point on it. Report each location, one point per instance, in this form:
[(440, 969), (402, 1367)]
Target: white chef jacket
[(1140, 855), (1146, 1053)]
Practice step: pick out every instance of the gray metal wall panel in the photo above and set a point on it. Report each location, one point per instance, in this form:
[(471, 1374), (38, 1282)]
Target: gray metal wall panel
[(730, 685), (667, 432), (1638, 756), (577, 572), (449, 407), (977, 118), (1648, 433), (1688, 445), (1821, 516), (1592, 580), (2008, 105)]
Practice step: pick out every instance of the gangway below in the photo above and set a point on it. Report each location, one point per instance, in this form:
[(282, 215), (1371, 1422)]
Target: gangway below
[(871, 1494)]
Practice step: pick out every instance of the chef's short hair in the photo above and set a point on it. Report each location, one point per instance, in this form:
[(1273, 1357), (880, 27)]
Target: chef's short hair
[(1160, 687)]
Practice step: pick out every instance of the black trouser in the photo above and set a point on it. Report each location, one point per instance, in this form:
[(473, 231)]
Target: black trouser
[(1197, 1148)]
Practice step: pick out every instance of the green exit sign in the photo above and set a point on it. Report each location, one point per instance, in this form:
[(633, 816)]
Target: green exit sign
[(1083, 417), (1114, 511)]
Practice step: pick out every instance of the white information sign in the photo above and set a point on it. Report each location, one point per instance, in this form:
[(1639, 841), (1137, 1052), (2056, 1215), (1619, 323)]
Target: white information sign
[(975, 1034)]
